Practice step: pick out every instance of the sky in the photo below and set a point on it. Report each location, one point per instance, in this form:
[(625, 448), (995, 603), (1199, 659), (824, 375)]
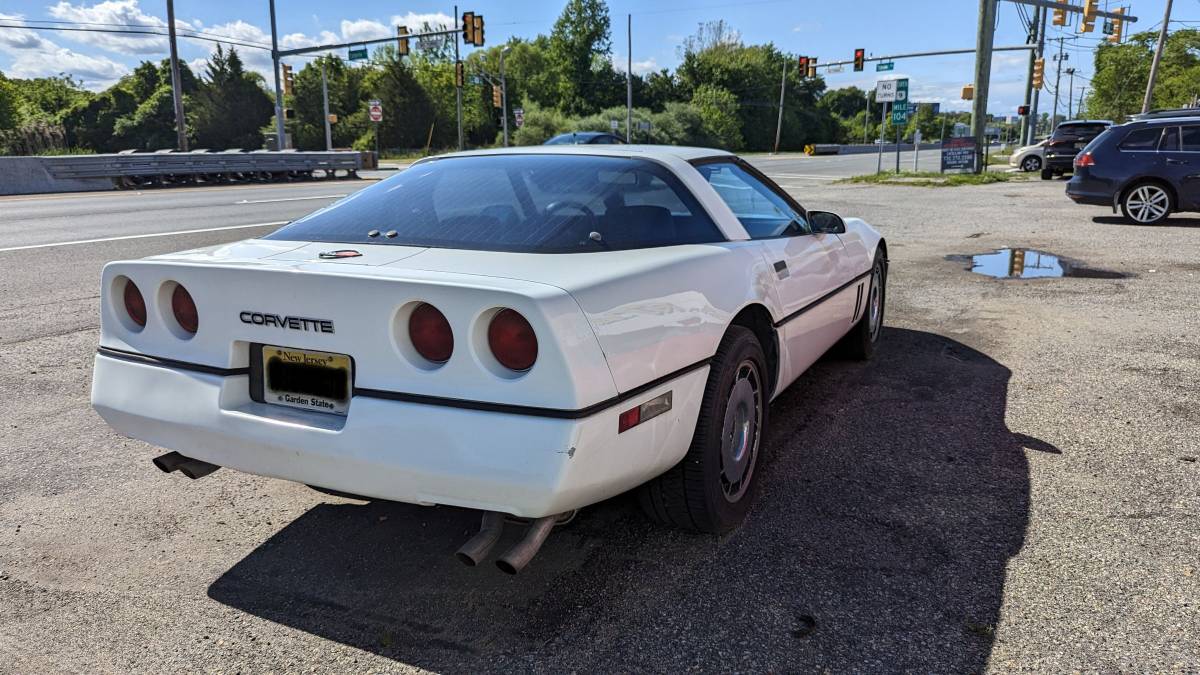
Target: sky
[(829, 31)]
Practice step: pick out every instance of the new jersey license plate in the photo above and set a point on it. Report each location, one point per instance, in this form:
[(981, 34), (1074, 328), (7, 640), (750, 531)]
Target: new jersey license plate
[(300, 378)]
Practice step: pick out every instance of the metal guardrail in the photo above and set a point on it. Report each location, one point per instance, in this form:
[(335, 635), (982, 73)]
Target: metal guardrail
[(822, 149), (139, 169)]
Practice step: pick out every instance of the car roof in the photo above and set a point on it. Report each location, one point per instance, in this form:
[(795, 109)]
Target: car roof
[(659, 152), (584, 134), (1088, 122)]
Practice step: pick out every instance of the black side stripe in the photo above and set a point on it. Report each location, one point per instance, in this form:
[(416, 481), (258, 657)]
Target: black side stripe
[(823, 298), (148, 360), (423, 399), (857, 303), (511, 409)]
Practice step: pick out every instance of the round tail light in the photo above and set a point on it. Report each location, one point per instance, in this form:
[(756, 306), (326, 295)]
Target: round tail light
[(135, 304), (512, 340), (185, 309), (430, 333)]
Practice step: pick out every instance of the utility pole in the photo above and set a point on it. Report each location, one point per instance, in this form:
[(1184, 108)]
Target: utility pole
[(1041, 53), (1079, 108), (629, 79), (280, 143), (984, 42), (1070, 93), (176, 83), (1158, 51), (457, 81), (1033, 38), (1058, 60), (779, 120), (866, 116), (504, 94), (325, 98)]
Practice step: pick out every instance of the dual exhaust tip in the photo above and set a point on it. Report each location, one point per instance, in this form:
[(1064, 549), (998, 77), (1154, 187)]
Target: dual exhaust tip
[(192, 468), (477, 548)]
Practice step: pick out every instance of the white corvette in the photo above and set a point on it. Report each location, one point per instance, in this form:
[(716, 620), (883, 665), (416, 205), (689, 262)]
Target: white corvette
[(522, 332)]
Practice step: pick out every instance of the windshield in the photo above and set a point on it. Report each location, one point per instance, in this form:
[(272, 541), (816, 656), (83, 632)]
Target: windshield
[(525, 203)]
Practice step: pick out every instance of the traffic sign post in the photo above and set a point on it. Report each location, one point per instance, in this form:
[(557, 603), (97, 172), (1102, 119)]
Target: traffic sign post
[(900, 113), (375, 113), (519, 117)]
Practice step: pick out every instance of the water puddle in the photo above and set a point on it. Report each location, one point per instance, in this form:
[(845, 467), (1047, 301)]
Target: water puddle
[(1027, 263)]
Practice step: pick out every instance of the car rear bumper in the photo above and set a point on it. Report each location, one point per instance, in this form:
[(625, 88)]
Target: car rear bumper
[(523, 464), (1064, 164)]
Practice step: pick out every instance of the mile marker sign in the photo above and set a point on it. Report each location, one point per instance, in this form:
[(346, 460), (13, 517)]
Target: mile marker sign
[(375, 110)]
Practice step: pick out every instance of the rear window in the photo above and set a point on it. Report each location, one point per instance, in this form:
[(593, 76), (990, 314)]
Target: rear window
[(1077, 131), (523, 203), (1142, 139)]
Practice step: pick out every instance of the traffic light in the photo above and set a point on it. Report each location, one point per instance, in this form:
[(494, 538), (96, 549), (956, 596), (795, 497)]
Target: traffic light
[(1022, 110), (289, 114), (860, 56), (401, 41), (497, 99), (968, 92), (1060, 15), (1088, 23), (1039, 73), (478, 30), (803, 66), (1118, 27), (458, 74), (468, 26), (288, 80), (812, 66)]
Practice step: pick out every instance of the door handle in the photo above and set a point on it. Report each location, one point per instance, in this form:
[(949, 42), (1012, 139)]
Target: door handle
[(1176, 161)]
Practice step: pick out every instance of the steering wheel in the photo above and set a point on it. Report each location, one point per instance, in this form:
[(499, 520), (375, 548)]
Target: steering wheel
[(554, 207)]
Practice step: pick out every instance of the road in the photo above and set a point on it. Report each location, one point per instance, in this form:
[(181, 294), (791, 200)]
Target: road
[(1012, 483)]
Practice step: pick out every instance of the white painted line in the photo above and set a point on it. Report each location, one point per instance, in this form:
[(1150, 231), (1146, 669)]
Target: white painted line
[(289, 199), (141, 236), (810, 176)]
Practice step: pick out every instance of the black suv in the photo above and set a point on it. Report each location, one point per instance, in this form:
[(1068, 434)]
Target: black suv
[(1149, 167), (1067, 140)]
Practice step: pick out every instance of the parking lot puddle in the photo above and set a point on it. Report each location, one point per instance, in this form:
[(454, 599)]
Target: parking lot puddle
[(1027, 263)]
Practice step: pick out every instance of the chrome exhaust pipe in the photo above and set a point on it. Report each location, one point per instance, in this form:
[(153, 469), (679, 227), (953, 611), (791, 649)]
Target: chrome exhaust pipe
[(169, 462), (476, 549), (519, 556)]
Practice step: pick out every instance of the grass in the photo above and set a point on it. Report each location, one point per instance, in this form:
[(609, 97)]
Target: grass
[(933, 178)]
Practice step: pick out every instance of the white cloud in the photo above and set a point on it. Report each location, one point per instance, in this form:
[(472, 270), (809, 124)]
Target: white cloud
[(17, 39), (123, 12), (35, 56), (639, 67), (365, 29), (807, 27), (416, 22)]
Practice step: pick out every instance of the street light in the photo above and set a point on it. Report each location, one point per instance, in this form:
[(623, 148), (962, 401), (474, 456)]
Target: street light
[(504, 95)]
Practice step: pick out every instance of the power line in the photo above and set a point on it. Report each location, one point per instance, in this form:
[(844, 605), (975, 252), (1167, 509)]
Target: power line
[(233, 41)]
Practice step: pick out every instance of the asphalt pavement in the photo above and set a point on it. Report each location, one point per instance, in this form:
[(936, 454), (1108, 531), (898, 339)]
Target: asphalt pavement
[(1011, 484)]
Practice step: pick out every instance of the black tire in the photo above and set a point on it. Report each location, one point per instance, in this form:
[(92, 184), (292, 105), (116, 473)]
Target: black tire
[(859, 344), (696, 494), (1146, 203), (1031, 163), (1047, 174)]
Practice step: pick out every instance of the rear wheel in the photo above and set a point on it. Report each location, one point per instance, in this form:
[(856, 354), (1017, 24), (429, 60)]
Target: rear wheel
[(712, 489), (1146, 204), (1047, 174), (1031, 163)]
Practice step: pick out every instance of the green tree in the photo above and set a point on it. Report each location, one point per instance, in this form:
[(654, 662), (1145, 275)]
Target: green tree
[(230, 107), (1121, 72), (579, 49), (718, 109)]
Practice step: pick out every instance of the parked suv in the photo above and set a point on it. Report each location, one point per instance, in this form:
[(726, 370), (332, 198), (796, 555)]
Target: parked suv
[(1067, 140), (1149, 167)]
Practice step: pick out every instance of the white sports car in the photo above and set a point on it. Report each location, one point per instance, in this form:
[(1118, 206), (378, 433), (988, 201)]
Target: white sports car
[(523, 332)]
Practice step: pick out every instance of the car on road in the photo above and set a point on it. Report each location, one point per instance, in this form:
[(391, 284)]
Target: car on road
[(586, 138), (1028, 158), (1066, 141), (1147, 168), (524, 332)]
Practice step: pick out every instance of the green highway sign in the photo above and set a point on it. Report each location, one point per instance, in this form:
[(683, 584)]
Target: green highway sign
[(900, 105), (358, 53), (884, 65)]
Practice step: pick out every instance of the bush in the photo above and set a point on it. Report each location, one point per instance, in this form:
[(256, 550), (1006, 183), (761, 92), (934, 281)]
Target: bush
[(540, 124)]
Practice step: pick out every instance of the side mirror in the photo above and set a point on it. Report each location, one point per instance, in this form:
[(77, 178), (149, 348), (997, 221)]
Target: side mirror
[(826, 222)]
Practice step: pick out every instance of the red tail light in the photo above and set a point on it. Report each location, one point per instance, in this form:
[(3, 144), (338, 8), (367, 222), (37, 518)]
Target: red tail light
[(1084, 159), (185, 309), (135, 304), (430, 333), (512, 340)]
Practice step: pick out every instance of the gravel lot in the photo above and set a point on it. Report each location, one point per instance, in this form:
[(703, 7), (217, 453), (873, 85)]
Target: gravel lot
[(1012, 484)]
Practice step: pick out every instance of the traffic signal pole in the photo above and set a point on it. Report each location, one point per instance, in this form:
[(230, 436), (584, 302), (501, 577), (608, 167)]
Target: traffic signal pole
[(1057, 80), (176, 83), (325, 101), (1162, 42), (1033, 34), (280, 143), (457, 84), (1032, 130), (984, 42), (779, 120)]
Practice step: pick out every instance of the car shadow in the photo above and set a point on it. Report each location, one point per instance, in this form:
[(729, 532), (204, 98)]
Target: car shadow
[(893, 495), (1172, 221)]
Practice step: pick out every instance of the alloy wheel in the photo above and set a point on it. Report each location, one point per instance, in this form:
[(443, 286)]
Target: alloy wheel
[(1148, 203)]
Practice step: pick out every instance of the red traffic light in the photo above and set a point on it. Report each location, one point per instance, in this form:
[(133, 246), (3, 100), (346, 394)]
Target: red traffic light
[(1022, 110), (860, 56), (803, 62)]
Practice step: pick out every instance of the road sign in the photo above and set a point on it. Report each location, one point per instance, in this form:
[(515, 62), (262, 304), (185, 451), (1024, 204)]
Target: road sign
[(358, 53), (614, 125), (644, 126), (885, 91), (835, 69), (884, 65), (375, 110), (900, 104)]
